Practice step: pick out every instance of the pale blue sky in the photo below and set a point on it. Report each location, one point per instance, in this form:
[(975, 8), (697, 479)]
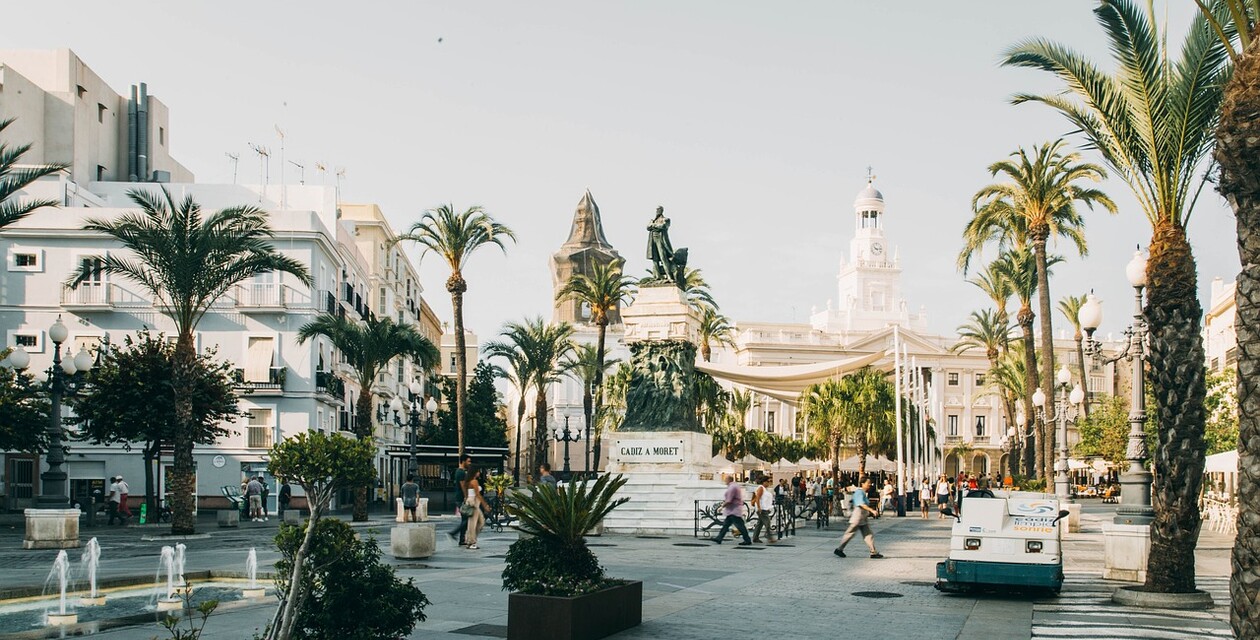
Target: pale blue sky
[(752, 123)]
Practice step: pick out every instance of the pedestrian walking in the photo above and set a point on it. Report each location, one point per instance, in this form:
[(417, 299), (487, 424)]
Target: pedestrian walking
[(410, 498), (926, 490), (733, 509), (266, 491), (461, 472), (124, 491), (111, 501), (886, 497), (545, 477), (474, 508), (942, 496), (858, 521), (286, 496), (763, 500), (254, 489)]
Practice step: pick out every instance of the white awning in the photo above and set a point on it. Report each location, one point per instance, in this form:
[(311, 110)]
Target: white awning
[(785, 383), (872, 464), (1224, 462)]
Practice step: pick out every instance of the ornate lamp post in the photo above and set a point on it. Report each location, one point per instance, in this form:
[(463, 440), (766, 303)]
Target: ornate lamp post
[(1135, 494), (58, 381), (413, 420), (589, 417), (566, 437), (1065, 410), (1016, 435)]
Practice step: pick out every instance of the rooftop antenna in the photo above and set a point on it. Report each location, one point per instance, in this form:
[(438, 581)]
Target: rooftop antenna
[(870, 176), (322, 170), (341, 174), (264, 167), (235, 159), (301, 172), (284, 200)]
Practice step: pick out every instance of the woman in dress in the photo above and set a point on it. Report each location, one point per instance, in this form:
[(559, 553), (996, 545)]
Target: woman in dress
[(479, 508)]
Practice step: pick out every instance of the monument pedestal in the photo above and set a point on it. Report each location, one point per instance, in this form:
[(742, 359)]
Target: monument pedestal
[(1126, 548), (666, 472), (51, 529)]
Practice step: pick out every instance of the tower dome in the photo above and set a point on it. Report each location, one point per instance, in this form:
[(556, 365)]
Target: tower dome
[(869, 196)]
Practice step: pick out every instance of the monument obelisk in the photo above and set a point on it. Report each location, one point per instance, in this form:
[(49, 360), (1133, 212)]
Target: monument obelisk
[(660, 447)]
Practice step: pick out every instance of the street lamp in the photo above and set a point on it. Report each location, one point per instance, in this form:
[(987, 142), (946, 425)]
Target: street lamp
[(58, 381), (1065, 410), (1135, 494), (1014, 436), (566, 437), (413, 420)]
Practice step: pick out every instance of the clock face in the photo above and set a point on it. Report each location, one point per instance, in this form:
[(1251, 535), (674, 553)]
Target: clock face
[(877, 249)]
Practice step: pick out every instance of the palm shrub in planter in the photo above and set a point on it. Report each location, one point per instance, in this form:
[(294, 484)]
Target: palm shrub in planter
[(559, 590)]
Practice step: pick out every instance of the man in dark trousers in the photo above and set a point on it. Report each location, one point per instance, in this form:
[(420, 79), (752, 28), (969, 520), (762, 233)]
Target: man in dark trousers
[(461, 473), (286, 494)]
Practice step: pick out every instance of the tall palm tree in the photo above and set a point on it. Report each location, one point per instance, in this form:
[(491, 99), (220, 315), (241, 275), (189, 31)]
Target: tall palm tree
[(544, 349), (1239, 159), (822, 404), (456, 237), (1018, 268), (1037, 201), (868, 413), (1008, 376), (734, 427), (696, 289), (1070, 307), (1152, 120), (715, 330), (187, 260), (516, 372), (369, 347), (989, 331), (14, 179), (604, 290), (998, 290), (587, 365)]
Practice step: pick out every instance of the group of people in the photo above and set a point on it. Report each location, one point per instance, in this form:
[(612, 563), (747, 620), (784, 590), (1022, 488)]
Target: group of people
[(763, 502), (116, 500), (473, 509), (255, 490)]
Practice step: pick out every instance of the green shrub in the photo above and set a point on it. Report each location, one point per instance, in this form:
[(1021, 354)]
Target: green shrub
[(350, 594), (1030, 484), (554, 559)]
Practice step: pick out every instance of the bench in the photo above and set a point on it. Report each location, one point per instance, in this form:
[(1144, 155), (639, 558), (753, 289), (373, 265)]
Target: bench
[(234, 497)]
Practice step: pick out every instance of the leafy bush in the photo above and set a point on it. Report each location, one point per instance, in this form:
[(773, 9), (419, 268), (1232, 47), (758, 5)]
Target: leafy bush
[(347, 579), (1030, 484), (554, 559)]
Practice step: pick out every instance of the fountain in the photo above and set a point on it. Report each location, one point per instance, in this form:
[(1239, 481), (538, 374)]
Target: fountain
[(167, 600), (91, 562), (60, 571), (251, 568), (181, 586)]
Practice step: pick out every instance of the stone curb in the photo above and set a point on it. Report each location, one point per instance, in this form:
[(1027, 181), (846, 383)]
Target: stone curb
[(1137, 597)]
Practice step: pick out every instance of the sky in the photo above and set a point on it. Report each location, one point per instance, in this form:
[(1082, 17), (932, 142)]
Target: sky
[(752, 123)]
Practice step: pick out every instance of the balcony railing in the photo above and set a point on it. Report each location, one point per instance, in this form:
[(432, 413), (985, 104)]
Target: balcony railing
[(330, 302), (268, 296), (953, 439), (100, 295), (343, 421), (329, 384), (274, 382)]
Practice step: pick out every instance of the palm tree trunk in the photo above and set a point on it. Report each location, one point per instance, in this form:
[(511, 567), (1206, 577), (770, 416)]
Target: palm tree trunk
[(1178, 380), (540, 429), (1238, 152), (600, 354), (183, 487), (706, 349), (363, 429), (862, 448), (456, 285), (1033, 460), (1047, 345), (152, 451)]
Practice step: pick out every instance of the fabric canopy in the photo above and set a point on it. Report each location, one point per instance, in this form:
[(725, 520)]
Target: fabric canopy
[(750, 462), (1076, 465), (786, 382), (785, 465), (872, 464), (722, 464), (1224, 462)]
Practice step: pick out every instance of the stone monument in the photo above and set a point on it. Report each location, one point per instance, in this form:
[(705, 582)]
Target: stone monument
[(660, 447)]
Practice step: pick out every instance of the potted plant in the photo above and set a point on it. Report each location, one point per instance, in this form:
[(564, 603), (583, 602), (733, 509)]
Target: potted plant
[(558, 588)]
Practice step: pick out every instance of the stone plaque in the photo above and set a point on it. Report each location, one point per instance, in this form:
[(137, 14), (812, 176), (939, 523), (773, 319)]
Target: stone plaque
[(630, 451)]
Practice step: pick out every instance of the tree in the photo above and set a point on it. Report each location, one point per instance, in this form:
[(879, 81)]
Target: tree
[(586, 364), (988, 330), (1152, 122), (1018, 268), (485, 427), (130, 397), (1037, 201), (696, 289), (322, 465), (23, 412), (369, 347), (1237, 142), (730, 437), (858, 408), (187, 260), (603, 290), (1009, 376), (14, 178), (1070, 307), (1105, 432), (715, 330), (516, 370), (1221, 404), (711, 402), (543, 348), (456, 237)]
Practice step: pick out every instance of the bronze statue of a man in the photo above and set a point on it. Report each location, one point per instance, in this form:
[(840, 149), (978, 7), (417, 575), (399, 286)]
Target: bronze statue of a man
[(667, 264)]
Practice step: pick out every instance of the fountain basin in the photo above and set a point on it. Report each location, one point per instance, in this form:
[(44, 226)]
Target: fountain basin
[(259, 592), (62, 619), (98, 601), (170, 604)]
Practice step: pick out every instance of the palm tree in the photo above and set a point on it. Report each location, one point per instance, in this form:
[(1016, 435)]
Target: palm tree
[(989, 331), (544, 350), (516, 372), (868, 413), (187, 260), (368, 348), (715, 330), (696, 289), (1018, 268), (1037, 201), (1070, 307), (587, 365), (604, 290), (455, 237), (998, 289), (822, 405), (1008, 376), (1152, 121), (14, 179), (1236, 153)]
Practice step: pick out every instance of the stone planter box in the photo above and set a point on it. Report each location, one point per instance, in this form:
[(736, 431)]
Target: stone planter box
[(587, 617)]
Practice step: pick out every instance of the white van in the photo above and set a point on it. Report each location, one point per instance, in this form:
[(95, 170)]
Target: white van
[(1005, 539)]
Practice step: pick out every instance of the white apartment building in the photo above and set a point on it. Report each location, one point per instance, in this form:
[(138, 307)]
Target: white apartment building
[(1219, 341)]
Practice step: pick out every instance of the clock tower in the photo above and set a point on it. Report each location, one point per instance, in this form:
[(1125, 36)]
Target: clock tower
[(870, 280)]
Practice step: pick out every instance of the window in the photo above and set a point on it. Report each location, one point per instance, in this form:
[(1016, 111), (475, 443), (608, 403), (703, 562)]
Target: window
[(24, 259), (259, 430), (769, 421), (162, 136), (81, 90), (100, 173), (258, 360), (980, 432), (979, 379), (26, 340), (584, 311), (382, 304), (319, 420), (100, 112), (952, 423), (953, 379), (452, 363)]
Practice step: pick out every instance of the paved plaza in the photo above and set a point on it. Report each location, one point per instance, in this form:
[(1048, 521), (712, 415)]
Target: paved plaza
[(695, 589)]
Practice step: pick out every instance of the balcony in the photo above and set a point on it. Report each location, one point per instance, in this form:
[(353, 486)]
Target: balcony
[(330, 303), (332, 388), (344, 422), (97, 296), (980, 440), (270, 297), (272, 386), (953, 439)]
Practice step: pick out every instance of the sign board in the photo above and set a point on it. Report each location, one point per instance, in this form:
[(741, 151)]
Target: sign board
[(631, 451)]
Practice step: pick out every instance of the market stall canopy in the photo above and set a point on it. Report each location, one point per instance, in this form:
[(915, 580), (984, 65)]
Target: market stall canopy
[(785, 383), (750, 462), (1224, 462), (722, 464), (1076, 465), (786, 466), (872, 464)]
